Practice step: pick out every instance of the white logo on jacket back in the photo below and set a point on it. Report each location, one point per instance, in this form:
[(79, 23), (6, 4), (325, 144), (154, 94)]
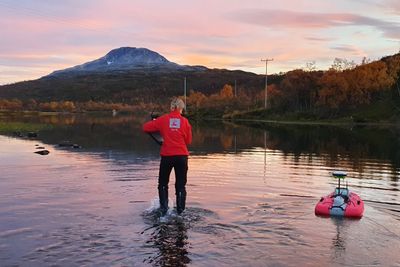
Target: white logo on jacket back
[(174, 123)]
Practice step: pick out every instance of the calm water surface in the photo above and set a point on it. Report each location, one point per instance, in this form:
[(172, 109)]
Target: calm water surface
[(251, 196)]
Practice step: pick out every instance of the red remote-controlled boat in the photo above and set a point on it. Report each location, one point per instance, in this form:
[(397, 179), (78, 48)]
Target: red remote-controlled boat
[(341, 202)]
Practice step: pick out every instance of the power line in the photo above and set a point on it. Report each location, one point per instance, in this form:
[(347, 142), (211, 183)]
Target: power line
[(31, 12)]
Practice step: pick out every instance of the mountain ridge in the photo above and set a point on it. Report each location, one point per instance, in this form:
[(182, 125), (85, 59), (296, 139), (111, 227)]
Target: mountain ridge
[(129, 75)]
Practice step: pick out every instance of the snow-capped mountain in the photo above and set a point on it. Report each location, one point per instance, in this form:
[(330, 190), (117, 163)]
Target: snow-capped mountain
[(127, 58)]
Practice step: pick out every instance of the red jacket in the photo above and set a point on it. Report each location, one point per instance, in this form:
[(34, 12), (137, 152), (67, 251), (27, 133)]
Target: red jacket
[(176, 131)]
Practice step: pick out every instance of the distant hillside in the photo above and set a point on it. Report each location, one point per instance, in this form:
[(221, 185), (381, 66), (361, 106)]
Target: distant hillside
[(138, 77), (129, 75)]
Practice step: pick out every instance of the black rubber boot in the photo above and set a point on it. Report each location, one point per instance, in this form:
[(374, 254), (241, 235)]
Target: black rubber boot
[(180, 202), (163, 195)]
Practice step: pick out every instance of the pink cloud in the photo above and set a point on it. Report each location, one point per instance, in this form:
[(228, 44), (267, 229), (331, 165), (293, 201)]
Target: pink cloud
[(392, 5), (58, 34), (318, 39), (353, 50), (292, 19), (308, 20)]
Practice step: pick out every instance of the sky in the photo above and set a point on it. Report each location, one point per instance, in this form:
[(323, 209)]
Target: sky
[(40, 36)]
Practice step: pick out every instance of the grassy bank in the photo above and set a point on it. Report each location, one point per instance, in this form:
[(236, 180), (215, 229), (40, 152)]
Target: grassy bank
[(381, 112), (22, 127)]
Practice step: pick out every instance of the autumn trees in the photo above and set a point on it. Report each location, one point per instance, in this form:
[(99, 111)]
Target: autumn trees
[(11, 104), (65, 106), (342, 87), (354, 87), (221, 102), (338, 91), (297, 91)]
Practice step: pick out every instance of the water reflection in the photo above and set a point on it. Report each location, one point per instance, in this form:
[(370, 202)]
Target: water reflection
[(338, 241), (169, 234), (172, 242), (358, 146), (259, 187)]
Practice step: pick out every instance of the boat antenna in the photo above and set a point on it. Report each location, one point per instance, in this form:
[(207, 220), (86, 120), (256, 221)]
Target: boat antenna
[(339, 175)]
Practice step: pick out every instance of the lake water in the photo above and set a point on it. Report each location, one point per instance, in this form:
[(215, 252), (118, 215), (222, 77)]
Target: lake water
[(251, 196)]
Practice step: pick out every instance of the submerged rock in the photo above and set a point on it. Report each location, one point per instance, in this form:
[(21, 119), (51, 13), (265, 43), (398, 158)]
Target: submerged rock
[(42, 152), (32, 134), (65, 144), (18, 133), (68, 144)]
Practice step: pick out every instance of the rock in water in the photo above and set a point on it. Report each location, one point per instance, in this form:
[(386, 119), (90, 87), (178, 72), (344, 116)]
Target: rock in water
[(42, 152), (32, 134)]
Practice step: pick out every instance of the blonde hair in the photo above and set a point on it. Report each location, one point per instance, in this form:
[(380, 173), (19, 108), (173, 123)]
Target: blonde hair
[(177, 103)]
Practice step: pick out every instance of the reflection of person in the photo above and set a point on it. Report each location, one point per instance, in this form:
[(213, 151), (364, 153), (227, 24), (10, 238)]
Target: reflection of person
[(177, 134), (171, 240)]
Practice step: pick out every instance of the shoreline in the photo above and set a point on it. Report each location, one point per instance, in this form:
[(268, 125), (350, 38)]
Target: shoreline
[(242, 121), (322, 123)]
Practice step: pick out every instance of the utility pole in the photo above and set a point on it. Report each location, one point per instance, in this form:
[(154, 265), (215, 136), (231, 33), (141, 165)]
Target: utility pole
[(266, 80), (235, 88), (184, 90)]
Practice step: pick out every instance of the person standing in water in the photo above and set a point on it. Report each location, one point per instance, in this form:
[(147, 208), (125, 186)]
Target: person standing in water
[(177, 134)]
